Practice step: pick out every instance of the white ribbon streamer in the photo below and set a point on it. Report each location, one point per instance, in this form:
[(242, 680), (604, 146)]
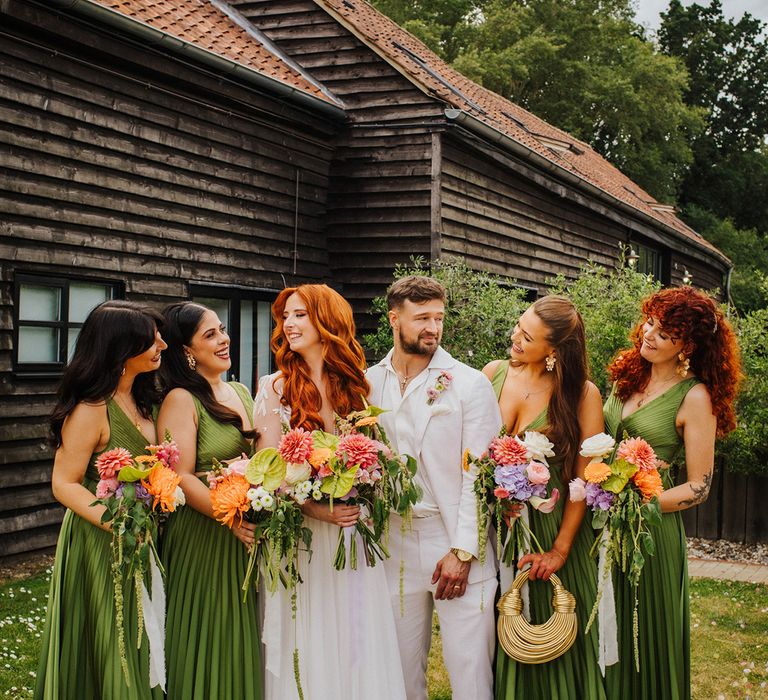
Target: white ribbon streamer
[(154, 624), (607, 630), (272, 629)]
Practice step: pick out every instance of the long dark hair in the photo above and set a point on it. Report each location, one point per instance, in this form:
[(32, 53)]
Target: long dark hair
[(566, 335), (181, 321), (114, 332)]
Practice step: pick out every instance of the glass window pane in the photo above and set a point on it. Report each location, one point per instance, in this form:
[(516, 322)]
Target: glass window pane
[(263, 333), (246, 344), (38, 344), (220, 306), (39, 303), (83, 297)]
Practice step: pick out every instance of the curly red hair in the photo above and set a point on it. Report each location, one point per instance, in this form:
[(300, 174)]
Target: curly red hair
[(708, 342), (343, 357)]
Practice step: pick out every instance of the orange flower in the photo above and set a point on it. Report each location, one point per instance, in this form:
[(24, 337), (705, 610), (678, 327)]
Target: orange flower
[(230, 499), (597, 472), (649, 483), (162, 484), (465, 461), (368, 420), (319, 456)]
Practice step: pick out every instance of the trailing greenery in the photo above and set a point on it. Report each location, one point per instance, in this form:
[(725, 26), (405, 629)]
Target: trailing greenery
[(481, 311)]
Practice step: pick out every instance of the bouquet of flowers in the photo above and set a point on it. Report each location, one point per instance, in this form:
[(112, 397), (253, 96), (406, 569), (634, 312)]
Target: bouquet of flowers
[(262, 491), (621, 485), (355, 465), (512, 471), (134, 492)]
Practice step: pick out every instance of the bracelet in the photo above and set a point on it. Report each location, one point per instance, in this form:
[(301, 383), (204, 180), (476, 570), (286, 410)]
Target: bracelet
[(558, 554)]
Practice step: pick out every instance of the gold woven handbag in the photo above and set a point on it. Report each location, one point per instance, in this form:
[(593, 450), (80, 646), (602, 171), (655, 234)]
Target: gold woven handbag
[(536, 644)]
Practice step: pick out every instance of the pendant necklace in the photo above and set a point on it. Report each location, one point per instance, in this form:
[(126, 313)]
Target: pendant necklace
[(128, 412), (647, 394)]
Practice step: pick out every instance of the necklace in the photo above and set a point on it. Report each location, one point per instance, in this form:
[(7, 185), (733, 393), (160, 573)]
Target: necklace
[(655, 391), (127, 411), (403, 380), (527, 392)]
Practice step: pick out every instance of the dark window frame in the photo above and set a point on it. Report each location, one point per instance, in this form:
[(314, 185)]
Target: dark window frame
[(44, 370)]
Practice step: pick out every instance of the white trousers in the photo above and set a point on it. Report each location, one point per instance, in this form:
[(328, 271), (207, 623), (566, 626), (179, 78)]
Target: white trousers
[(467, 626)]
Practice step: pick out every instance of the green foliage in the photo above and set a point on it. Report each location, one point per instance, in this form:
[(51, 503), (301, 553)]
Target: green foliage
[(609, 303), (745, 450), (480, 313), (745, 247)]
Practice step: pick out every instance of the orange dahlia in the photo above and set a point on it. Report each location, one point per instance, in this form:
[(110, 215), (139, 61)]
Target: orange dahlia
[(597, 472), (230, 499), (638, 452), (649, 483), (161, 483), (319, 456)]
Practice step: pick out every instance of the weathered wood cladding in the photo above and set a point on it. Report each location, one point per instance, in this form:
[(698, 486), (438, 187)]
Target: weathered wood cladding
[(505, 222), (379, 200), (120, 163)]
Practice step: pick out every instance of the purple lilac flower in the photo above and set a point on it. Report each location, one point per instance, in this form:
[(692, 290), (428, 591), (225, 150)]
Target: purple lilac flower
[(513, 479), (599, 498)]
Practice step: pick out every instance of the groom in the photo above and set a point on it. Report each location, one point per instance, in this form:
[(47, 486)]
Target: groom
[(437, 407)]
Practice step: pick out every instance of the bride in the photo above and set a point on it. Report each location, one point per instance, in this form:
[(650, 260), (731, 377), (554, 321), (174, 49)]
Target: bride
[(343, 626)]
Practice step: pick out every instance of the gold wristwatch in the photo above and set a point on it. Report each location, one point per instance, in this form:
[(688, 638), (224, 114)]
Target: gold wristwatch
[(462, 554)]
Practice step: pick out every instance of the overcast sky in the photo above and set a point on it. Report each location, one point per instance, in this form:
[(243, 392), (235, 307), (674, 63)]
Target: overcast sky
[(648, 10)]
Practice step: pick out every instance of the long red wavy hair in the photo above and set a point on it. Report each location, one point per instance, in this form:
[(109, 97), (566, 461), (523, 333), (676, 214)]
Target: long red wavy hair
[(708, 342), (343, 357)]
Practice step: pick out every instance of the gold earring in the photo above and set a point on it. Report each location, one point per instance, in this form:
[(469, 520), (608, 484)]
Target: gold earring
[(550, 361), (191, 361), (683, 365)]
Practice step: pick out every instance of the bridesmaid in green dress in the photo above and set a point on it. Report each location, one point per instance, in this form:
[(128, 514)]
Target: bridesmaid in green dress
[(106, 400), (544, 387), (675, 388), (213, 649)]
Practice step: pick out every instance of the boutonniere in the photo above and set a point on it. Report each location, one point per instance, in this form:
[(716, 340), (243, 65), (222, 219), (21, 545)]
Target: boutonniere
[(442, 382)]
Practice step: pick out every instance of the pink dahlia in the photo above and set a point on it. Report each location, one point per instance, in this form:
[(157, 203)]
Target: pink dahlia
[(109, 463), (359, 450), (638, 452), (508, 450), (296, 445)]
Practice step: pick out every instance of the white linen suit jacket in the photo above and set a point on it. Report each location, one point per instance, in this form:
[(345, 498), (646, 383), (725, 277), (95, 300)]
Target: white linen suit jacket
[(464, 416)]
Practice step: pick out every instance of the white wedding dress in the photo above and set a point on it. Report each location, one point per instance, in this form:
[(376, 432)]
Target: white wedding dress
[(343, 627)]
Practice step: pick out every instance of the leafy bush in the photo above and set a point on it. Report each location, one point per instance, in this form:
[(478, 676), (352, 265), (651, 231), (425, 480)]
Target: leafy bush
[(481, 311)]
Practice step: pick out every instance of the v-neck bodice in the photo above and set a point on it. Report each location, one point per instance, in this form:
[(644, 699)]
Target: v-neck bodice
[(497, 381), (653, 421)]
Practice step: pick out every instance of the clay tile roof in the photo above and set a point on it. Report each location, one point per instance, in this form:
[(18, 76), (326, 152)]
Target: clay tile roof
[(200, 23), (418, 63)]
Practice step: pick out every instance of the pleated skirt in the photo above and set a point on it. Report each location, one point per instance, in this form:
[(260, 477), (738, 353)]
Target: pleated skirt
[(663, 623), (80, 657), (576, 673), (213, 649)]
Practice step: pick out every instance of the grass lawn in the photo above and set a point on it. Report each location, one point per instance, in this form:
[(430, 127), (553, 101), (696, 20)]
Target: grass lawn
[(729, 629)]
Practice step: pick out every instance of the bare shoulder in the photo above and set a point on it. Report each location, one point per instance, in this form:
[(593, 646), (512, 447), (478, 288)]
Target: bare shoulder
[(697, 400), (490, 369), (87, 413), (591, 393), (178, 399)]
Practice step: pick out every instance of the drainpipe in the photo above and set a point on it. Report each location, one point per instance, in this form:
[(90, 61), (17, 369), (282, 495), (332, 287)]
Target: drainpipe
[(156, 37)]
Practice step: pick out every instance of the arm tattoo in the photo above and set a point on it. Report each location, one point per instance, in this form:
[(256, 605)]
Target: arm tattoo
[(700, 491)]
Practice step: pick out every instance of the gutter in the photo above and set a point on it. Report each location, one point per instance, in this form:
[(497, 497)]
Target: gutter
[(488, 132), (158, 38)]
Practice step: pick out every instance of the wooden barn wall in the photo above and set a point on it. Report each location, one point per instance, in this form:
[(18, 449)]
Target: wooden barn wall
[(121, 164), (379, 201), (502, 221)]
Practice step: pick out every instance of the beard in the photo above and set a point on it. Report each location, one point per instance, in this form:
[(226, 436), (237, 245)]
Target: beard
[(417, 346)]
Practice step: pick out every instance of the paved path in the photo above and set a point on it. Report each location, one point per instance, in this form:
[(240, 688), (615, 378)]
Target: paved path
[(731, 571)]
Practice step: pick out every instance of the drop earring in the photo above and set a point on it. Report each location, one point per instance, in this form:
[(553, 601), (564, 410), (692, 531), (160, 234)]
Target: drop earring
[(683, 365), (550, 362), (191, 361)]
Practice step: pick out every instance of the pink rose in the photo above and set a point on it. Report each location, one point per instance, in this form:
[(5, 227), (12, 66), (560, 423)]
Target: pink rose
[(106, 488), (578, 489), (537, 473), (237, 466)]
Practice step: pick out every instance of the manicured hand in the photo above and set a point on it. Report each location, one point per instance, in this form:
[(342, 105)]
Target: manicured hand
[(451, 576), (341, 515), (542, 565), (244, 533)]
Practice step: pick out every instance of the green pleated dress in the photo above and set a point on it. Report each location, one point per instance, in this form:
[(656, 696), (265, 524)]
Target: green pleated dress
[(79, 657), (664, 618), (576, 673), (212, 643)]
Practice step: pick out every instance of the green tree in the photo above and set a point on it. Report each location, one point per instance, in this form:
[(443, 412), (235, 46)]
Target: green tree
[(728, 65), (481, 311)]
